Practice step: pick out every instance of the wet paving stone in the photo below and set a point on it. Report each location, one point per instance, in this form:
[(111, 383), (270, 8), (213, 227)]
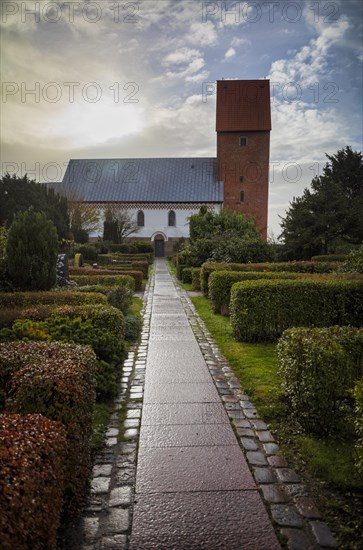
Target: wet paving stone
[(117, 521), (286, 515), (323, 534), (273, 494), (286, 475), (297, 539), (264, 475)]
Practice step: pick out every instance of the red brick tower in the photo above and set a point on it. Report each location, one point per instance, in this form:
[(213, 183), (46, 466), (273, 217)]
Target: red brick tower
[(243, 126)]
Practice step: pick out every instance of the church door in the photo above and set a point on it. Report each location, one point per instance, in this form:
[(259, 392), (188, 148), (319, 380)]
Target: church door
[(159, 248)]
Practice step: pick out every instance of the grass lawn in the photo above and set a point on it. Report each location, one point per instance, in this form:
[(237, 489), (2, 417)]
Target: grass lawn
[(326, 466)]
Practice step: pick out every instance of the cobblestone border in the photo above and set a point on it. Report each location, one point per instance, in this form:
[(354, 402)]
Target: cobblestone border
[(107, 520), (294, 513)]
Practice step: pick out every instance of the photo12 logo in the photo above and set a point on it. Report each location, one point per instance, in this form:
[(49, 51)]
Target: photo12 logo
[(53, 12), (53, 92)]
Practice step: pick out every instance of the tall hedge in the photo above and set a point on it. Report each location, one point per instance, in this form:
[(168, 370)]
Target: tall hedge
[(33, 450), (56, 380), (319, 368), (220, 284), (32, 249), (262, 310)]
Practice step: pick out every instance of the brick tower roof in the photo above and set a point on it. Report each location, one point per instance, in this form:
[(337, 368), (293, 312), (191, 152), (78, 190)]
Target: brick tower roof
[(243, 105)]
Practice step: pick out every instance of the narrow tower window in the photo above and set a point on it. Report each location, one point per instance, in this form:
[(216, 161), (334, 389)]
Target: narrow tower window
[(242, 141), (171, 218), (140, 218), (242, 196)]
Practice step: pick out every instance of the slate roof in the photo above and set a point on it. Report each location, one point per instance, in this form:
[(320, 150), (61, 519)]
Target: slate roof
[(154, 180)]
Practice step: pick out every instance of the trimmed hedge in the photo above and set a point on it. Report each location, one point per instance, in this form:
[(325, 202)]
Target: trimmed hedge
[(56, 380), (102, 328), (329, 258), (262, 310), (209, 267), (62, 297), (220, 284), (106, 280), (186, 275), (33, 450), (196, 278), (319, 368), (141, 266), (296, 267)]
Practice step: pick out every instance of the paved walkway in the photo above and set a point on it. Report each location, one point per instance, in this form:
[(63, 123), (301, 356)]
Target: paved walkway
[(194, 488)]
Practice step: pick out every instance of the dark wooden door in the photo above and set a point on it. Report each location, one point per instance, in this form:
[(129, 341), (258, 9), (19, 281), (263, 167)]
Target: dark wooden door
[(159, 249)]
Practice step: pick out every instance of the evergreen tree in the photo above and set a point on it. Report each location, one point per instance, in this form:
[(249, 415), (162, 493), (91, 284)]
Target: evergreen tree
[(328, 214), (18, 194), (32, 251)]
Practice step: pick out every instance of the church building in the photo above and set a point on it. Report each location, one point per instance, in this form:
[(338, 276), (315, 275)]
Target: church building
[(161, 193)]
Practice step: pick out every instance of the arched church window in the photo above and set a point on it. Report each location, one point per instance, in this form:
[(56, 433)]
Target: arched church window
[(172, 219), (140, 218)]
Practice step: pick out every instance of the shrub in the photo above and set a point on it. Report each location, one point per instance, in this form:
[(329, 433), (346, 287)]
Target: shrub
[(196, 278), (33, 449), (120, 297), (329, 258), (5, 282), (354, 262), (88, 251), (56, 380), (143, 246), (102, 328), (262, 310), (105, 280), (133, 327), (318, 369), (64, 297), (141, 266), (123, 248), (32, 248), (186, 274), (241, 250), (208, 267), (220, 284), (358, 423)]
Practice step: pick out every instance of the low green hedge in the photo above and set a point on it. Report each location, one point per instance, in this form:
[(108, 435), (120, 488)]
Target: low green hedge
[(295, 267), (56, 380), (329, 258), (262, 310), (33, 450), (69, 297), (106, 280), (137, 275), (118, 296), (196, 278), (319, 367), (101, 327), (220, 284), (210, 267)]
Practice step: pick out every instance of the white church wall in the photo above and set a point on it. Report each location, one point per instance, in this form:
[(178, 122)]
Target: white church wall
[(156, 221)]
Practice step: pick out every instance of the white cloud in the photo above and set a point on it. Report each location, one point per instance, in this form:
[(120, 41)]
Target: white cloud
[(231, 52), (202, 34), (181, 56)]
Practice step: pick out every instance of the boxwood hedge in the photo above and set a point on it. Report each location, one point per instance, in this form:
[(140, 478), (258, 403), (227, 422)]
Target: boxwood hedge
[(262, 310), (220, 284), (131, 279), (319, 367), (33, 450), (196, 278), (56, 380), (64, 297)]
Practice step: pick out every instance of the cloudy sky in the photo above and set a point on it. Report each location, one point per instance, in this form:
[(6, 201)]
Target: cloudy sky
[(137, 79)]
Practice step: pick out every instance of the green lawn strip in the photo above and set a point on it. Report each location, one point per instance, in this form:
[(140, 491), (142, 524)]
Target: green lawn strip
[(101, 418), (326, 466)]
